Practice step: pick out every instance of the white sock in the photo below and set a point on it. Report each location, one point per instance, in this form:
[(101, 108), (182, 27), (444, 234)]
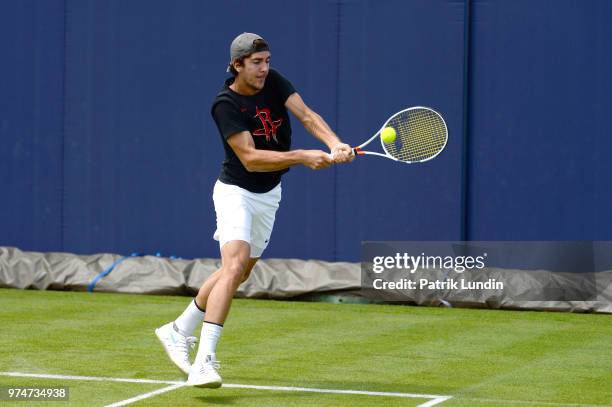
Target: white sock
[(187, 322), (208, 339)]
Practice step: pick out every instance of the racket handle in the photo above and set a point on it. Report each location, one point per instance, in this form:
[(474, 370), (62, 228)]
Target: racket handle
[(357, 151)]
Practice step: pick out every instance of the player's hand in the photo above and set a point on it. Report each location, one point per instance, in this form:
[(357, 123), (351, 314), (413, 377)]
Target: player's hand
[(342, 153), (317, 159)]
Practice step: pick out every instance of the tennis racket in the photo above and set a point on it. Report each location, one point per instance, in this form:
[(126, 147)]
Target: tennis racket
[(421, 134)]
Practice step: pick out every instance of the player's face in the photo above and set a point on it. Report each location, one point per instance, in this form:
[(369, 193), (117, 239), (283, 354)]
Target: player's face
[(255, 69)]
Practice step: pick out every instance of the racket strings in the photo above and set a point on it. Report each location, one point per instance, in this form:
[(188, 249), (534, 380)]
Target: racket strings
[(420, 135)]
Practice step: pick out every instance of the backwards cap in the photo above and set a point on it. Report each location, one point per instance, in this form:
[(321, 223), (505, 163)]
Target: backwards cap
[(246, 44)]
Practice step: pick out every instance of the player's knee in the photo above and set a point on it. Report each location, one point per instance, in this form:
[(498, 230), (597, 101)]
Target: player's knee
[(234, 272)]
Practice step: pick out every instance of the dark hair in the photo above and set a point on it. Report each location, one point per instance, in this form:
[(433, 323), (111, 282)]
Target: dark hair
[(240, 61)]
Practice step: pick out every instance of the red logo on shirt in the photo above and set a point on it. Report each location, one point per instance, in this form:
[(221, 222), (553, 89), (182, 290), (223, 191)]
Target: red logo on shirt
[(269, 126)]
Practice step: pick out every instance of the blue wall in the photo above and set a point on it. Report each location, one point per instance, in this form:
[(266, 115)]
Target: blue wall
[(108, 144), (31, 123), (541, 94)]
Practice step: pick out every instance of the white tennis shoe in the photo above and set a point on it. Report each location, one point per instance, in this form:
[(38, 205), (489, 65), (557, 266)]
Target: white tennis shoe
[(204, 373), (177, 345)]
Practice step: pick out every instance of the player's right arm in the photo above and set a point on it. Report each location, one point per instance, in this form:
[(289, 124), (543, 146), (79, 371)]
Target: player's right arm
[(255, 160)]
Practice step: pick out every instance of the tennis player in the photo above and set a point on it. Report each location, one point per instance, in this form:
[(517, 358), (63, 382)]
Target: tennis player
[(251, 113)]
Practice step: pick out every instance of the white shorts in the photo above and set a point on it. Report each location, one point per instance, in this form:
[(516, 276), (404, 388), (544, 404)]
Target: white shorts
[(245, 215)]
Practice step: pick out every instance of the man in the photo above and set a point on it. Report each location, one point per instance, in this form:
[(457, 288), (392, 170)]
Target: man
[(251, 113)]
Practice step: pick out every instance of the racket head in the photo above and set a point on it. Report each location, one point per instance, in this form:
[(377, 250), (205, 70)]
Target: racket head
[(421, 134)]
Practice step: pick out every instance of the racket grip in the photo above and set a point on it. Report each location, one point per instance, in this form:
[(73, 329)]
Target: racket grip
[(357, 151)]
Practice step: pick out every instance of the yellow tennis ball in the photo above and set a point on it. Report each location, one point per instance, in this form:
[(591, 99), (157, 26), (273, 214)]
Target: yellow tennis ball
[(388, 135)]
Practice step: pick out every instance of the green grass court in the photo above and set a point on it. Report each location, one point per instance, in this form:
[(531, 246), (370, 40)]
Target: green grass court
[(478, 357)]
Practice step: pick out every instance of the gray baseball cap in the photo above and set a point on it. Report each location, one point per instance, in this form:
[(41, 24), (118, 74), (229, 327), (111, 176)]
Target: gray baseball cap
[(246, 44)]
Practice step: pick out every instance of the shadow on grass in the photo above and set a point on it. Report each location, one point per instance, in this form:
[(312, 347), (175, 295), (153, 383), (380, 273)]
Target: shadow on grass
[(239, 399)]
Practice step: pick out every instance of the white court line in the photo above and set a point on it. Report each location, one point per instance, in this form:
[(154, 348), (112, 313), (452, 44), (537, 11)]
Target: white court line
[(435, 399), (146, 395), (87, 378), (335, 391), (438, 400)]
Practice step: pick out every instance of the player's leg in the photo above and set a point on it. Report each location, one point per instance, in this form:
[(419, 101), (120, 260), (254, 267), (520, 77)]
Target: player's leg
[(233, 223), (247, 272), (235, 259), (202, 297), (194, 314), (177, 336), (238, 259), (237, 211)]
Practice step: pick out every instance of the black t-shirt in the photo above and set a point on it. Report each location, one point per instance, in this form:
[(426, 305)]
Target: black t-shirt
[(265, 116)]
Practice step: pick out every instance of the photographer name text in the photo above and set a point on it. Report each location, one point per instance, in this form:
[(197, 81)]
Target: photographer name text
[(446, 284)]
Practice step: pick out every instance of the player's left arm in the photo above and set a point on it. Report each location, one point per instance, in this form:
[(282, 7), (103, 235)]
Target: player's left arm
[(316, 126)]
